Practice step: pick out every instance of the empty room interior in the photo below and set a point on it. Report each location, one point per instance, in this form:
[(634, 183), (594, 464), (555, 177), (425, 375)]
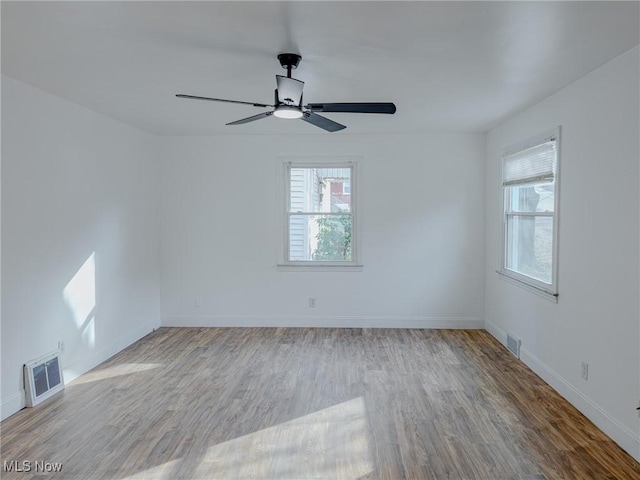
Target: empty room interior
[(209, 273)]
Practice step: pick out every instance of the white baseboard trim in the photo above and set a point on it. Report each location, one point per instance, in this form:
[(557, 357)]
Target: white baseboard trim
[(496, 332), (12, 404), (320, 321), (628, 440), (16, 402)]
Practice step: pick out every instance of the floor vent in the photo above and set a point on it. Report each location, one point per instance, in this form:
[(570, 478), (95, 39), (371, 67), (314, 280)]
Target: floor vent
[(513, 344), (43, 378)]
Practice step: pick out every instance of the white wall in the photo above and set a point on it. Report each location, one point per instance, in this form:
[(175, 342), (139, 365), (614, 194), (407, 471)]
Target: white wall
[(74, 184), (597, 316), (422, 233)]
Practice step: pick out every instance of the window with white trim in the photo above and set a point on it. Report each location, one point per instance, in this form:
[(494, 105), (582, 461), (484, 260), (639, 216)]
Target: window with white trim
[(320, 214), (530, 223)]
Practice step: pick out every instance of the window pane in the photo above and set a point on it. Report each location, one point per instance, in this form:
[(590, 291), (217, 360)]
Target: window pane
[(320, 190), (530, 246), (320, 238), (531, 198)]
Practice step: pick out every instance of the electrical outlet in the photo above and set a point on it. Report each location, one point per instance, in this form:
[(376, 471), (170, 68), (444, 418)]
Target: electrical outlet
[(198, 301), (585, 371), (61, 346), (312, 302)]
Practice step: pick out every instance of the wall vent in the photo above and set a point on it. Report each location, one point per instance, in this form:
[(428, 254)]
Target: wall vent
[(513, 344), (43, 378)]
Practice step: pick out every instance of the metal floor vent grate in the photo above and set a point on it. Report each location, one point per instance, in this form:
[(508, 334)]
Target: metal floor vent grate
[(513, 344), (43, 378)]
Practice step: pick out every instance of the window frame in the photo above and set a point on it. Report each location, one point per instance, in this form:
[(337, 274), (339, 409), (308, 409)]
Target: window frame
[(287, 164), (547, 290)]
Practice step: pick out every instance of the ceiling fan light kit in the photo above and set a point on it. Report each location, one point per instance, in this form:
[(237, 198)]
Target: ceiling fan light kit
[(288, 102), (285, 111)]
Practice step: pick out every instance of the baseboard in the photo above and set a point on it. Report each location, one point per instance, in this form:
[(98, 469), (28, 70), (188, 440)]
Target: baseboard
[(12, 404), (496, 332), (320, 321), (620, 434), (16, 402)]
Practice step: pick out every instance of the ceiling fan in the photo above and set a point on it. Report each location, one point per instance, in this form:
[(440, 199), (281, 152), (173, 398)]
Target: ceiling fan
[(288, 102)]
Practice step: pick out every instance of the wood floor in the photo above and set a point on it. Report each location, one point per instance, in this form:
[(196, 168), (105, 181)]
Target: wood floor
[(286, 403)]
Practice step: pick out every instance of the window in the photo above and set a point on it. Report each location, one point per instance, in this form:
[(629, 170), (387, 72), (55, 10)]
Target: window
[(320, 214), (530, 183)]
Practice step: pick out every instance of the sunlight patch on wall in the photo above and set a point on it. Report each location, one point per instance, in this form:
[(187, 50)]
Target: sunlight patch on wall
[(330, 443), (80, 292), (89, 333), (115, 371)]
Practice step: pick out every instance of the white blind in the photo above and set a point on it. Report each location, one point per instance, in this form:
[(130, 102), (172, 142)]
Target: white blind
[(532, 165)]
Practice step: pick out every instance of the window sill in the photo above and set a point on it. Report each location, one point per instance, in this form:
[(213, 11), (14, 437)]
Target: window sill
[(552, 297), (292, 267)]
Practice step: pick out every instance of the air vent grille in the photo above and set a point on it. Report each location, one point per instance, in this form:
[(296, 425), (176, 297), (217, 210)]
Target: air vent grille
[(43, 378), (513, 344)]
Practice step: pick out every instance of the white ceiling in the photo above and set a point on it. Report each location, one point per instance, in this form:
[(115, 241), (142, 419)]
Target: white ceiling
[(455, 66)]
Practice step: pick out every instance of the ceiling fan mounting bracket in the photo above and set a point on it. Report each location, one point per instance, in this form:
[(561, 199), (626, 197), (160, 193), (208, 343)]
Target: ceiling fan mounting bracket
[(289, 61)]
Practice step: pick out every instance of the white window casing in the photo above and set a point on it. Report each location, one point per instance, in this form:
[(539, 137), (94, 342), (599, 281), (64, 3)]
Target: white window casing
[(310, 205), (530, 184)]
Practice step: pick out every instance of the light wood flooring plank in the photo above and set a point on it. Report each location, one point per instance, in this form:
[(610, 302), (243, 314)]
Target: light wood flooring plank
[(303, 403)]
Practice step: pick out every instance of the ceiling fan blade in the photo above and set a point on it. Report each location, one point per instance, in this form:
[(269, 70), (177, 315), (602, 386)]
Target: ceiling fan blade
[(251, 119), (322, 122), (387, 107), (193, 97), (289, 90)]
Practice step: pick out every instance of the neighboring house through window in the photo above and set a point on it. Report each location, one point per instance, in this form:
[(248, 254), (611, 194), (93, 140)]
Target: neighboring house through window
[(320, 214), (530, 223)]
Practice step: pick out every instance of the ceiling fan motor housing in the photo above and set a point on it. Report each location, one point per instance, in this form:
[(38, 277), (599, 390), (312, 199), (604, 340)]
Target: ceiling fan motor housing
[(289, 60)]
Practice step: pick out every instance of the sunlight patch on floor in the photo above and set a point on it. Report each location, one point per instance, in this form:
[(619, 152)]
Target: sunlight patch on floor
[(330, 443), (115, 371), (160, 472)]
